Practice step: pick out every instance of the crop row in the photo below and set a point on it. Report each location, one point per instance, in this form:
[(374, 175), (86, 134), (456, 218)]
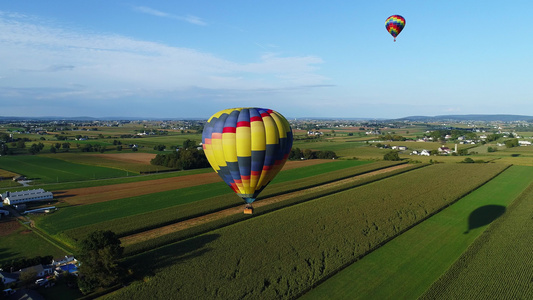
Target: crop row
[(499, 264), (182, 204), (281, 254), (296, 199)]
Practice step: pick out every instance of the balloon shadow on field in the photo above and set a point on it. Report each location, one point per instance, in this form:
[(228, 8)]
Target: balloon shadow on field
[(148, 263), (484, 215)]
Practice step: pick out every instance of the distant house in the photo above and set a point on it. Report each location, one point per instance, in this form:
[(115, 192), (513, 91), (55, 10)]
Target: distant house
[(425, 153), (12, 198), (444, 150), (524, 143)]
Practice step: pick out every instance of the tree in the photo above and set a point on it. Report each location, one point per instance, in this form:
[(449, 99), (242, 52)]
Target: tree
[(53, 149), (21, 144), (468, 160), (4, 149), (295, 154), (511, 143), (463, 152), (189, 144), (99, 254), (391, 155), (160, 147), (27, 277)]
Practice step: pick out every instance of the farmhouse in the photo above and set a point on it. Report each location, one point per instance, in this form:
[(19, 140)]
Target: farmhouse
[(445, 150), (7, 278), (524, 143), (401, 148), (63, 260), (40, 270), (424, 153), (12, 198)]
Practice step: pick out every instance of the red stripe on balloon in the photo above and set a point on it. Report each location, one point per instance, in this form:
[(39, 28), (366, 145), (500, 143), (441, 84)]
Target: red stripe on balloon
[(243, 124), (253, 119), (229, 130)]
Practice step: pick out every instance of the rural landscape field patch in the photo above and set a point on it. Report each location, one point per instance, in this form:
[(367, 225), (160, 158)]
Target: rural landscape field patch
[(280, 254)]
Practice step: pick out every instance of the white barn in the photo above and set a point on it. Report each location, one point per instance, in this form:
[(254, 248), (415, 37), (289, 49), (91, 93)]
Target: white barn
[(11, 198)]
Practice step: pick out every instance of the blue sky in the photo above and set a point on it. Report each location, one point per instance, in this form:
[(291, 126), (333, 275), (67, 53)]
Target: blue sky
[(190, 59)]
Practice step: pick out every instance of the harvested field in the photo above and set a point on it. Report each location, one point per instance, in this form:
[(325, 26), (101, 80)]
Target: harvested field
[(8, 226), (150, 234), (124, 190), (7, 174)]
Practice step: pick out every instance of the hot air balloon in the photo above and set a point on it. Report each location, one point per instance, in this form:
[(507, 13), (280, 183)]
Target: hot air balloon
[(394, 25), (247, 147)]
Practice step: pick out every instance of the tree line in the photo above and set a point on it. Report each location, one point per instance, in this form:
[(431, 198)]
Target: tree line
[(297, 154)]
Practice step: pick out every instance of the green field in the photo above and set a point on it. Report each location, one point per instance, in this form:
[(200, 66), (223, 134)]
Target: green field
[(406, 266), (41, 169), (280, 254), (499, 264), (23, 243)]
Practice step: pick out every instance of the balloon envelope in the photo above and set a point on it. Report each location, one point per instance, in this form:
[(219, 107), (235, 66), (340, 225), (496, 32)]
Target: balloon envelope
[(247, 147), (394, 25)]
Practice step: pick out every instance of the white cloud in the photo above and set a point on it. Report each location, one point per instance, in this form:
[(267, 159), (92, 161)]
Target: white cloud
[(154, 12), (44, 61)]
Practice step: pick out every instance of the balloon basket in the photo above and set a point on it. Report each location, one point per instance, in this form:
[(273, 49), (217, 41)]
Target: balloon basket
[(248, 209)]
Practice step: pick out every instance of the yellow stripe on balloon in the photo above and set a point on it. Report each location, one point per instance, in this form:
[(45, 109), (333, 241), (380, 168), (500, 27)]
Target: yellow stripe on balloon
[(244, 141), (218, 149), (208, 150), (283, 125), (258, 136), (228, 145), (271, 130), (220, 113)]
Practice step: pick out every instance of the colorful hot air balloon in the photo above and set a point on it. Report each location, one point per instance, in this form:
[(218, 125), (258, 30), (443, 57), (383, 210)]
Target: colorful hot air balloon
[(394, 25), (247, 147)]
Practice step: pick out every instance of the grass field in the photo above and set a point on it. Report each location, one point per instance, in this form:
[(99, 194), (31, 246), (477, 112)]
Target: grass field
[(406, 266), (18, 242), (48, 170), (499, 264)]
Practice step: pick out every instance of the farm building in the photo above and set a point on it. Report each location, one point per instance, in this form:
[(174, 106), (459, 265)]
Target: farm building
[(11, 198)]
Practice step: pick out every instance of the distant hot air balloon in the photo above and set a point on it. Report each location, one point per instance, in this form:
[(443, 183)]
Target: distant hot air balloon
[(394, 25), (247, 147)]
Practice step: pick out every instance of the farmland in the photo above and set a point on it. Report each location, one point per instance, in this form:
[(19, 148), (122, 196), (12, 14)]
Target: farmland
[(48, 170), (499, 264), (185, 235), (279, 260), (413, 261)]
